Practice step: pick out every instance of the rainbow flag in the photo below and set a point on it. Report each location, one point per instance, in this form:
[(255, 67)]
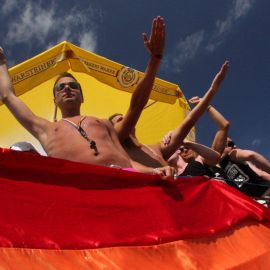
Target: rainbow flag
[(57, 214)]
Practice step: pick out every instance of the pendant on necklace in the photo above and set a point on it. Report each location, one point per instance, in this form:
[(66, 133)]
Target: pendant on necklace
[(93, 146)]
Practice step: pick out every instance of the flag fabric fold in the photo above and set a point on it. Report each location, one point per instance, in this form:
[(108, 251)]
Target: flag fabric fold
[(53, 205)]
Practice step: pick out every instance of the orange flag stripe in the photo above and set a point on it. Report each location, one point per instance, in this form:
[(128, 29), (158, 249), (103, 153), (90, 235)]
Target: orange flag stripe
[(245, 247)]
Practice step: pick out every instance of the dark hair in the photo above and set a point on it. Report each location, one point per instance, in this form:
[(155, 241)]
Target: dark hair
[(230, 143), (114, 115), (63, 75)]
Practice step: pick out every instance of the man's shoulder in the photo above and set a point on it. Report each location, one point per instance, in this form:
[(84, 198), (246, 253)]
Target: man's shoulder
[(103, 121), (156, 147)]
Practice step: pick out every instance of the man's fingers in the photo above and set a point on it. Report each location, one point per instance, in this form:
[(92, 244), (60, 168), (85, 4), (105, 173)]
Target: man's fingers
[(165, 173), (155, 42), (2, 51), (170, 172), (146, 42), (224, 68), (226, 63), (220, 75), (145, 38), (194, 99), (166, 139), (3, 59)]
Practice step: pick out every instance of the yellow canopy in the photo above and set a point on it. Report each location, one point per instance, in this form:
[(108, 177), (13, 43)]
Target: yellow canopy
[(107, 88)]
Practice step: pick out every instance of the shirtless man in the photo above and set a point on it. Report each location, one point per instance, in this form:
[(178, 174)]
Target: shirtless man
[(156, 155), (84, 139)]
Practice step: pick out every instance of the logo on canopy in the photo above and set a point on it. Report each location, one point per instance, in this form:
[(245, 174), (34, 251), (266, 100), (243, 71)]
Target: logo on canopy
[(127, 77)]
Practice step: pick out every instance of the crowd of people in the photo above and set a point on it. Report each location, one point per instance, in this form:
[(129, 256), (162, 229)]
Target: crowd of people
[(112, 142)]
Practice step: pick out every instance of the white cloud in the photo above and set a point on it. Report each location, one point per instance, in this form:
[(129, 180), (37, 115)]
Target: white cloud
[(35, 23), (256, 142), (8, 6), (187, 48), (184, 50), (88, 41), (239, 9), (242, 7)]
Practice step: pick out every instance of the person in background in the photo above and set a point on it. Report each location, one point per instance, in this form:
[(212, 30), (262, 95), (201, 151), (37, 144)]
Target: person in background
[(193, 159), (24, 147), (248, 170)]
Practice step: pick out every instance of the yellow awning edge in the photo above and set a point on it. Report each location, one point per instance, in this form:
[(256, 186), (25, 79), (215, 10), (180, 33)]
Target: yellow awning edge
[(64, 56)]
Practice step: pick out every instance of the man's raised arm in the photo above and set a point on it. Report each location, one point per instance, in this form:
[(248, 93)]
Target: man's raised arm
[(179, 134), (22, 113), (220, 139), (155, 45)]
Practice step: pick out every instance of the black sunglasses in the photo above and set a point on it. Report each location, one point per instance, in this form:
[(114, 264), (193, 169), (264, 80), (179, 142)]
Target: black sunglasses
[(72, 85), (230, 144), (183, 148)]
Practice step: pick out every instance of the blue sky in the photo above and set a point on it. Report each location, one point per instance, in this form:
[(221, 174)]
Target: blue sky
[(200, 36)]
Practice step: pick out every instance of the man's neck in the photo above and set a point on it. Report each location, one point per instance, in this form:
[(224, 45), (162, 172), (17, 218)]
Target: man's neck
[(68, 114)]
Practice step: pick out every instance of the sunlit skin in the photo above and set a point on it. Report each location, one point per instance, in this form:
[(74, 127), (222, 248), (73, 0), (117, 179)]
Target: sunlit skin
[(119, 118), (143, 153), (60, 139), (138, 150), (110, 151), (157, 154)]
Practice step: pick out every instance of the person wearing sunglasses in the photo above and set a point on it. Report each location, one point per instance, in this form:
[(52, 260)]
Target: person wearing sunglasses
[(156, 155), (193, 159), (79, 138)]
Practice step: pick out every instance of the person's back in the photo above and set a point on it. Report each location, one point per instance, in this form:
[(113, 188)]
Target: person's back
[(145, 154), (241, 176), (148, 155), (247, 170)]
